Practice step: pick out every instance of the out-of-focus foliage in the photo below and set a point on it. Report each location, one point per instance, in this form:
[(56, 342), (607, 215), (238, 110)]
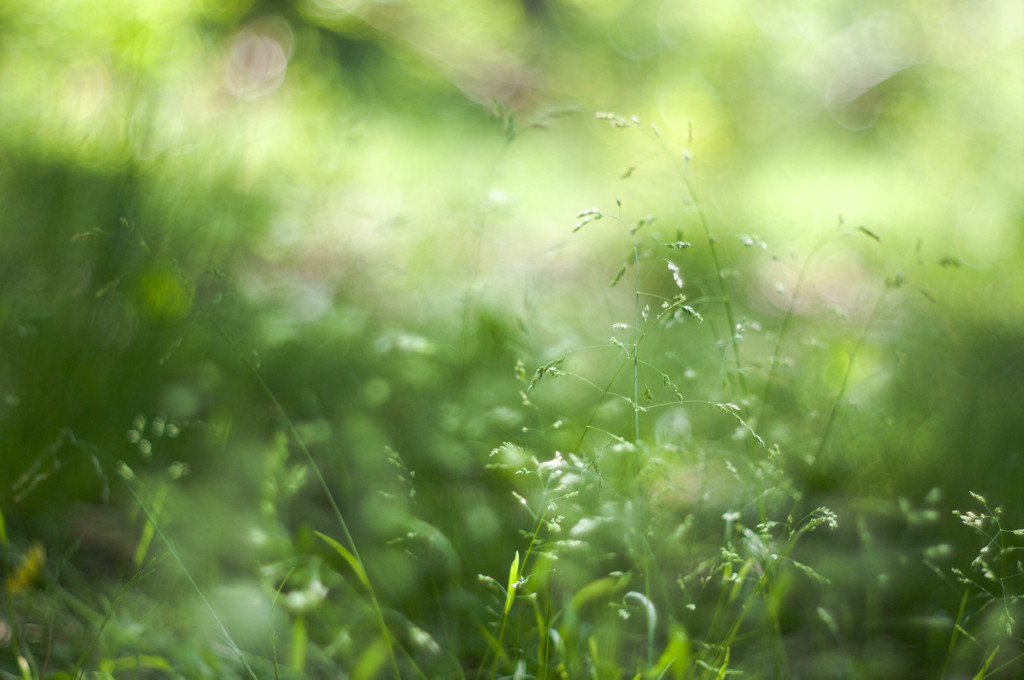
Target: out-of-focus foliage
[(236, 233)]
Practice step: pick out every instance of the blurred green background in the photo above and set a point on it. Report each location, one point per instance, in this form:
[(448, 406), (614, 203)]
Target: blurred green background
[(372, 204)]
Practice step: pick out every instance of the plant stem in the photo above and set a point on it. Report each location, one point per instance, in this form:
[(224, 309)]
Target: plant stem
[(301, 443), (721, 284), (846, 379), (188, 575)]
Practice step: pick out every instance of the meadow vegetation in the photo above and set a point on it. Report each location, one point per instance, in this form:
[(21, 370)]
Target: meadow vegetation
[(325, 352)]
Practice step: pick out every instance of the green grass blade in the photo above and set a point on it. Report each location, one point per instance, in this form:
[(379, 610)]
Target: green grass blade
[(299, 641), (347, 555), (149, 531), (513, 578), (983, 671), (372, 660), (725, 666)]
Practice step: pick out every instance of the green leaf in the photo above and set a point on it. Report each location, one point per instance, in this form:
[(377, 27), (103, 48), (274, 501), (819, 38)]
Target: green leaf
[(346, 555)]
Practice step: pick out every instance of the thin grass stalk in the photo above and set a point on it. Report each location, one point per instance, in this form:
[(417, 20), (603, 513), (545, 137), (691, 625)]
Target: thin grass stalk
[(636, 350), (479, 224), (544, 632), (1008, 665), (79, 670), (519, 566), (510, 595), (635, 359), (730, 636), (640, 500), (593, 414), (300, 442), (954, 635), (826, 435), (784, 329), (762, 588), (734, 343), (273, 635), (497, 650), (127, 475)]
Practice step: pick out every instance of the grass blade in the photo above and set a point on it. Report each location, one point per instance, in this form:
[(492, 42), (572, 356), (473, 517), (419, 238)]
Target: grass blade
[(347, 555)]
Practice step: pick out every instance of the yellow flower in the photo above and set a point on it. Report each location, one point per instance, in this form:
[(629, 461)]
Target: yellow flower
[(28, 572)]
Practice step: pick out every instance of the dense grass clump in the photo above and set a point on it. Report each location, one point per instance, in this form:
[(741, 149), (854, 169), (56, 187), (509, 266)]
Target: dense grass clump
[(739, 459)]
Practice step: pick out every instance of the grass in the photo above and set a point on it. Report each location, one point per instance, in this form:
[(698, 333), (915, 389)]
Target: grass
[(684, 500)]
